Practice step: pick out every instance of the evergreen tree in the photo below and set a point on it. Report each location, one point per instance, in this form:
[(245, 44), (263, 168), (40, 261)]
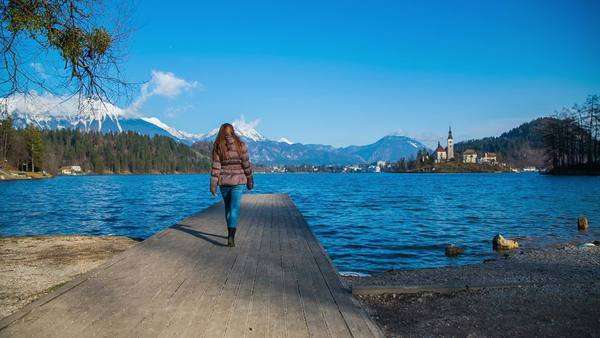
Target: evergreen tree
[(35, 147), (6, 131)]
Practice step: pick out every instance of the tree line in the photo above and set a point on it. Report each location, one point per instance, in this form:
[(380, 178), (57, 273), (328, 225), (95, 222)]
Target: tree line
[(32, 149), (572, 138), (519, 147)]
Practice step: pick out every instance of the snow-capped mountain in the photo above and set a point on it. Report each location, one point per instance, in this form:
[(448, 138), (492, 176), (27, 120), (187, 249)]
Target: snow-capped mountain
[(51, 112)]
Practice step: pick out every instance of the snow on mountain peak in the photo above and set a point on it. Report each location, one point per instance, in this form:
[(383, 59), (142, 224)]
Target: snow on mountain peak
[(285, 140), (176, 133), (247, 129), (242, 128), (41, 108), (397, 133)]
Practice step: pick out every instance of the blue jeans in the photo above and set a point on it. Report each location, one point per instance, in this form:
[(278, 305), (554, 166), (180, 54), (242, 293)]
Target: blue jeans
[(232, 196)]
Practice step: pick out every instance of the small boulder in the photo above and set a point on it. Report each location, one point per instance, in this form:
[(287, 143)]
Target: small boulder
[(582, 223), (453, 251), (501, 243)]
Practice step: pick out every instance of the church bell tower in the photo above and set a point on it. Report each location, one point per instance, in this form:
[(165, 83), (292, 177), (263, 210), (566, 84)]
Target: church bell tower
[(450, 148)]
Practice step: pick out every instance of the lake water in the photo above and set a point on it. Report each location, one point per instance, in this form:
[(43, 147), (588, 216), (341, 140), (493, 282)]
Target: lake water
[(366, 222)]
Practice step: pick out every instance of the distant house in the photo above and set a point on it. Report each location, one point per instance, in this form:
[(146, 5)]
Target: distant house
[(490, 158), (470, 156), (440, 154), (423, 155), (71, 170)]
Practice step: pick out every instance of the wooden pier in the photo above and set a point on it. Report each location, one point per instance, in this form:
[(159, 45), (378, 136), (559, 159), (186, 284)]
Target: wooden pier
[(184, 282)]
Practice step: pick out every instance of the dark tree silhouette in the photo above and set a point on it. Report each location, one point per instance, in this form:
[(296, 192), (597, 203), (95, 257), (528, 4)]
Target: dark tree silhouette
[(572, 139)]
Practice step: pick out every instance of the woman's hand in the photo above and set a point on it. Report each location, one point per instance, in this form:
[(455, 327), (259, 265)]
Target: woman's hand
[(213, 190), (250, 183)]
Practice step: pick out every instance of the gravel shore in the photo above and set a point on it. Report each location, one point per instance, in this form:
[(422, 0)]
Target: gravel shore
[(550, 291), (30, 267)]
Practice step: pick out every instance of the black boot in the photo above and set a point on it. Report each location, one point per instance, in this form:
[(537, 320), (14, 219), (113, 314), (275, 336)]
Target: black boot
[(231, 237)]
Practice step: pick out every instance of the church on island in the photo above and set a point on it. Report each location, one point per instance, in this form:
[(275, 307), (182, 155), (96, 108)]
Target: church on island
[(445, 154)]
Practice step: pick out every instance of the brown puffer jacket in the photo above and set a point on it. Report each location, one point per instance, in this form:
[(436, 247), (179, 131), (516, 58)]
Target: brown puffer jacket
[(234, 170)]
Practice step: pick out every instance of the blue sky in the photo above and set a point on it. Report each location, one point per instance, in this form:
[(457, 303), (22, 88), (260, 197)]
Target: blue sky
[(349, 72)]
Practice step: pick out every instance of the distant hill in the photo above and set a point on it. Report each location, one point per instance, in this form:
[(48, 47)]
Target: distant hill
[(520, 147)]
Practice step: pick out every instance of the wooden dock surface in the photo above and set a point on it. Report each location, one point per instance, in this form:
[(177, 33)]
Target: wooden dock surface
[(184, 282)]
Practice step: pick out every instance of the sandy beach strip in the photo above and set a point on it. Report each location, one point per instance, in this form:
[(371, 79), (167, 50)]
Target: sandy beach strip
[(32, 266)]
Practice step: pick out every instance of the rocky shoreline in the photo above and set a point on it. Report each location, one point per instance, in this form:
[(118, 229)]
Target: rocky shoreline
[(547, 291), (33, 266), (12, 175)]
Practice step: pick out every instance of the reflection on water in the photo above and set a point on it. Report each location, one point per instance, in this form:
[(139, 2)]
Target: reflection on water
[(366, 222)]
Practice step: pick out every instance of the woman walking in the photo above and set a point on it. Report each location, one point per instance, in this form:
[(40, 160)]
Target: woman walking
[(231, 170)]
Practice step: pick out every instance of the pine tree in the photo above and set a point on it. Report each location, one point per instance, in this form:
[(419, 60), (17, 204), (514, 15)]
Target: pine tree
[(35, 146), (6, 131)]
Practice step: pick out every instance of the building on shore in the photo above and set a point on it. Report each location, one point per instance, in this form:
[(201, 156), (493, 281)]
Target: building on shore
[(71, 170), (450, 145), (489, 158), (469, 156), (442, 154)]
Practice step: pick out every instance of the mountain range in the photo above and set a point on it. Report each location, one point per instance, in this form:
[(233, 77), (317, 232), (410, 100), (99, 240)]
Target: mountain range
[(107, 118)]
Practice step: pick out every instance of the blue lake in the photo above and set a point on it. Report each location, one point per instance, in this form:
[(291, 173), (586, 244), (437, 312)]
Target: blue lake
[(366, 222)]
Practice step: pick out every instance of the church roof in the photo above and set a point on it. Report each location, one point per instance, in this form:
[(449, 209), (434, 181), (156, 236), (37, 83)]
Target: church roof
[(440, 149)]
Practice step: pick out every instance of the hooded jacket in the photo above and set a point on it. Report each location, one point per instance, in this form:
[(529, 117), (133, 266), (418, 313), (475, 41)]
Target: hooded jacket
[(233, 170)]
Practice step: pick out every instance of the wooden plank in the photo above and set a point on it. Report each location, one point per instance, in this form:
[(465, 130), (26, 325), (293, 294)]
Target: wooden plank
[(237, 320), (257, 320), (219, 317), (191, 315), (277, 324), (315, 320), (158, 323)]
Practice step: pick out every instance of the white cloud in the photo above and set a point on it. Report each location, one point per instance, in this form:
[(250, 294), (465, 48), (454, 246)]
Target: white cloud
[(164, 84)]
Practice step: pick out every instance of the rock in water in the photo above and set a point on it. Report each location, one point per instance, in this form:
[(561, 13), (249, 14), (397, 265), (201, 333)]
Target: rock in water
[(453, 251), (501, 243), (582, 223)]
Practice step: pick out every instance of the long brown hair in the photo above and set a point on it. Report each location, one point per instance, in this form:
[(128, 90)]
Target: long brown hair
[(220, 145)]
